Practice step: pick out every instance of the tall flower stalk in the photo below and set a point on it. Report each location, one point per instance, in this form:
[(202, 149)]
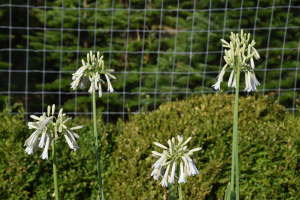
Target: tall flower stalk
[(238, 58), (92, 71), (176, 158), (46, 135)]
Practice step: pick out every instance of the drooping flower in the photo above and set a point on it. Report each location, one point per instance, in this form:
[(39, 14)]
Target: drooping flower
[(172, 177), (109, 88), (174, 154), (92, 71), (239, 57), (164, 182), (182, 174), (46, 128)]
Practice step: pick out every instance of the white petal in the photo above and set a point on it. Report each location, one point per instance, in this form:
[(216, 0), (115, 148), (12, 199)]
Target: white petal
[(230, 78), (194, 150), (35, 117), (42, 141), (252, 63), (217, 85), (193, 169), (164, 182), (91, 90), (234, 81), (45, 152), (157, 154), (76, 127), (189, 139), (110, 88), (159, 161), (160, 145), (100, 90), (181, 178), (68, 141), (170, 147), (172, 177)]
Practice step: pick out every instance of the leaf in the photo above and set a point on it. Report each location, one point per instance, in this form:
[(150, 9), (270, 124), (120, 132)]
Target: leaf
[(171, 191), (227, 194)]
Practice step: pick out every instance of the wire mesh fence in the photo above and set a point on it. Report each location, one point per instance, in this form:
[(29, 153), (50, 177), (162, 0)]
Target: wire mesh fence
[(161, 50)]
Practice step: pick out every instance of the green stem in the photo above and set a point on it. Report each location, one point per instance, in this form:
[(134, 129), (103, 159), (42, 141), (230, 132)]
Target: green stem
[(235, 135), (232, 165), (179, 184), (97, 147), (54, 167), (235, 158)]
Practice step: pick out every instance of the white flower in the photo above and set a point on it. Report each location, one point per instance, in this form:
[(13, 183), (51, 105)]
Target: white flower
[(71, 140), (45, 152), (164, 182), (91, 71), (186, 166), (252, 63), (46, 131), (109, 88), (172, 177), (181, 178), (160, 145), (193, 169), (175, 154), (232, 76), (251, 82), (94, 83), (159, 162), (239, 57), (157, 172), (32, 143), (78, 75), (220, 78)]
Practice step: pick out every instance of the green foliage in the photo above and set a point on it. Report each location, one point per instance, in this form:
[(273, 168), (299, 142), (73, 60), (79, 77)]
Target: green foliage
[(268, 143), (268, 150), (209, 16), (29, 177)]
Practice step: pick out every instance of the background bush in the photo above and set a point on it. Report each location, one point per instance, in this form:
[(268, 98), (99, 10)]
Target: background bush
[(268, 148), (209, 16)]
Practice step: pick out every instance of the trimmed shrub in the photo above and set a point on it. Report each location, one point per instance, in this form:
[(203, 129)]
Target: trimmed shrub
[(29, 177), (268, 144), (268, 150)]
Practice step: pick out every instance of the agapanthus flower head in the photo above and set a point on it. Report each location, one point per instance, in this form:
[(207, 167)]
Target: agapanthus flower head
[(171, 156), (46, 128), (239, 57), (92, 71)]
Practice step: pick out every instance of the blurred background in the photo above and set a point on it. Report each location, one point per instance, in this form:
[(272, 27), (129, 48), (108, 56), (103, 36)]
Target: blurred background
[(161, 50)]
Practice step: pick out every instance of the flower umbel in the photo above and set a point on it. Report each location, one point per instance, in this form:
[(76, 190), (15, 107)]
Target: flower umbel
[(91, 71), (46, 131), (175, 154), (239, 57)]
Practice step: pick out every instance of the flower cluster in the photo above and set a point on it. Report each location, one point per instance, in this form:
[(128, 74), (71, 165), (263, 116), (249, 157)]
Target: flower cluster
[(91, 71), (239, 57), (175, 154), (46, 131)]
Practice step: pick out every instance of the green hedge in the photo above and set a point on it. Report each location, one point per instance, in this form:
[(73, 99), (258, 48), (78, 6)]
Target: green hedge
[(24, 177), (268, 144)]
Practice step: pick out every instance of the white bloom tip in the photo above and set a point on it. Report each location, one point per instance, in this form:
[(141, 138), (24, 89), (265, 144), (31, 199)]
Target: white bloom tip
[(160, 145)]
